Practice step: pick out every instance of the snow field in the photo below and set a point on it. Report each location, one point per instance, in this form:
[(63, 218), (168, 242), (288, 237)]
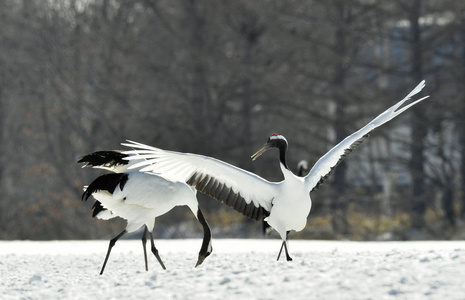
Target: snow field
[(237, 269)]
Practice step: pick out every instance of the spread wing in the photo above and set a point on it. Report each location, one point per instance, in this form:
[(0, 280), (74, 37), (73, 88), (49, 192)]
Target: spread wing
[(244, 191), (324, 166)]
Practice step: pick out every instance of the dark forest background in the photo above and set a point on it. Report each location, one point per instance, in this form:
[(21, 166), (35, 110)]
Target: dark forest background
[(216, 78)]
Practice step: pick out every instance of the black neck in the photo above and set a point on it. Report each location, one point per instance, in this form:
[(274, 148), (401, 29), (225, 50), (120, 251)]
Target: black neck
[(207, 235), (282, 154)]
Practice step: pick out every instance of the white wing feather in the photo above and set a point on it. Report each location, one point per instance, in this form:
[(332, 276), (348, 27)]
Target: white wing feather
[(325, 164), (177, 166)]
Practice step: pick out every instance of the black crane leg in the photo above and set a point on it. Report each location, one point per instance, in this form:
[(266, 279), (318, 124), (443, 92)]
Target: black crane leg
[(155, 252), (284, 244), (144, 243), (112, 243)]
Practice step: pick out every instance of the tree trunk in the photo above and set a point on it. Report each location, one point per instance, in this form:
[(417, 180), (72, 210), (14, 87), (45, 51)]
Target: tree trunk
[(461, 121), (419, 129), (448, 204), (339, 204)]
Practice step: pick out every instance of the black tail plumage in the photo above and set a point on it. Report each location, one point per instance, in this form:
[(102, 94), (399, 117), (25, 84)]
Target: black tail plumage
[(107, 182), (96, 208), (106, 159)]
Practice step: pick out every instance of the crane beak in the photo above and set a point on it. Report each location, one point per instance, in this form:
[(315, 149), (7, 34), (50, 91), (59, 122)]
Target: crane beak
[(200, 260), (261, 151)]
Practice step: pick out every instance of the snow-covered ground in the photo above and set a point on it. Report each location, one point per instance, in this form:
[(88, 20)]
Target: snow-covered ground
[(237, 269)]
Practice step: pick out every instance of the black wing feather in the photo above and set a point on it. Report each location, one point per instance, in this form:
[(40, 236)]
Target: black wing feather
[(222, 193), (107, 159)]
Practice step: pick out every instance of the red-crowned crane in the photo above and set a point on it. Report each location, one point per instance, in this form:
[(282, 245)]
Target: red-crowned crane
[(284, 205), (139, 198)]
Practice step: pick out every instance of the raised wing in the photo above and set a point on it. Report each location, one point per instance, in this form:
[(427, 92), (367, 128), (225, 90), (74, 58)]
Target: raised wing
[(244, 191), (324, 166)]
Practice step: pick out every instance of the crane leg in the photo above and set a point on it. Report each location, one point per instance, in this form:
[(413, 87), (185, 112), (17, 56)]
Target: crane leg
[(284, 245), (112, 243), (155, 252), (144, 243)]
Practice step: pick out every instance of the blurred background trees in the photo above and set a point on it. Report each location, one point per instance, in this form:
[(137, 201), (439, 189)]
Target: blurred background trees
[(216, 78)]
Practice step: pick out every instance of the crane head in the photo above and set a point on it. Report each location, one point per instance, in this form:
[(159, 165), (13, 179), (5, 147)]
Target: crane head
[(274, 141)]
